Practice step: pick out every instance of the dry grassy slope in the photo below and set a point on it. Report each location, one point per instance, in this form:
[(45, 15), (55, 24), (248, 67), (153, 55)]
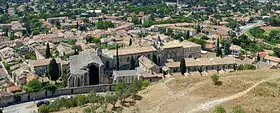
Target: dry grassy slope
[(185, 93), (265, 98)]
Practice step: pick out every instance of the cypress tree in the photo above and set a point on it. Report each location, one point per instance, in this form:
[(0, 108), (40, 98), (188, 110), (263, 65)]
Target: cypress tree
[(226, 48), (53, 70), (77, 24), (130, 42), (183, 68), (188, 35), (117, 55), (48, 52), (154, 58), (218, 50), (132, 63), (198, 29)]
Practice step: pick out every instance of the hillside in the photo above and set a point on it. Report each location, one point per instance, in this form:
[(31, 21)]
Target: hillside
[(256, 91)]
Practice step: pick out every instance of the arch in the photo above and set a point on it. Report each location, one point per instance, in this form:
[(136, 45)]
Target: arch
[(79, 80), (93, 73), (73, 82)]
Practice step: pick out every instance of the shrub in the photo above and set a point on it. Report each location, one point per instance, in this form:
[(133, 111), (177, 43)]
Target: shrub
[(220, 109), (90, 110), (145, 83), (238, 109), (215, 78), (33, 86), (249, 67), (92, 97), (43, 109), (72, 41), (81, 100), (1, 111), (246, 67), (71, 103), (52, 88)]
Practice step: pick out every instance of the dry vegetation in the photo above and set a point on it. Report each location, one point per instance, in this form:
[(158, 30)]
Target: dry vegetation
[(187, 92), (265, 98), (183, 93)]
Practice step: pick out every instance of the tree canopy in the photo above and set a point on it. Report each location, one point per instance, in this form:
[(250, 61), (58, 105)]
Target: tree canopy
[(53, 70), (33, 86)]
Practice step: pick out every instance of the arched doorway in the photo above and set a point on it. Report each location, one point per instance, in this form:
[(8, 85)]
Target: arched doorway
[(93, 74)]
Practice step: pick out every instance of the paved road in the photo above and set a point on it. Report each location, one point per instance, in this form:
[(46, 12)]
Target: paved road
[(30, 107), (244, 29)]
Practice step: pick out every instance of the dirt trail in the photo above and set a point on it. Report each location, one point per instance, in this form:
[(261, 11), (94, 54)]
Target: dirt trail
[(208, 105)]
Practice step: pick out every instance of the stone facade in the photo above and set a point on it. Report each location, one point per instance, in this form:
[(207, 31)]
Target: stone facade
[(203, 64), (79, 70)]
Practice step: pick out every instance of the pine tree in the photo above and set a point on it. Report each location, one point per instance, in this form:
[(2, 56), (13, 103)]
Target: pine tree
[(132, 63), (154, 58), (130, 42), (183, 68), (117, 55), (53, 70), (48, 52)]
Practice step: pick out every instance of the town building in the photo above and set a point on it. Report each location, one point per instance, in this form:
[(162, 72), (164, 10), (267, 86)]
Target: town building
[(40, 67), (203, 64), (235, 50), (126, 76), (147, 65), (86, 69)]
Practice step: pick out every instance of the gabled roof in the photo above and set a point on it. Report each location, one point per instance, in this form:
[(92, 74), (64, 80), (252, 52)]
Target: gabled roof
[(81, 61), (263, 65), (271, 58), (147, 62)]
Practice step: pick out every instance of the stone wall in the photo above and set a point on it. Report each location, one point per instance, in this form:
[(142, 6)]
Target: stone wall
[(25, 97)]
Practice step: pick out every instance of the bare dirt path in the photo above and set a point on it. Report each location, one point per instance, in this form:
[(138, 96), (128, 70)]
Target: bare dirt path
[(208, 105)]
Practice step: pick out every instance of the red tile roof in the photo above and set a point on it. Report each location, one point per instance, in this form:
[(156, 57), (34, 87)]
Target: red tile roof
[(14, 89)]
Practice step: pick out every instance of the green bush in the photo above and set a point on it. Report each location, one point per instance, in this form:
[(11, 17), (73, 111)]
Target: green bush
[(81, 100), (238, 109), (246, 67), (145, 83), (43, 109), (90, 110), (52, 88), (215, 78), (33, 86), (7, 66), (220, 109), (72, 41)]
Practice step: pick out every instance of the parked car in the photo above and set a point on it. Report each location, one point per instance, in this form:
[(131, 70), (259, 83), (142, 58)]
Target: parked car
[(46, 102)]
